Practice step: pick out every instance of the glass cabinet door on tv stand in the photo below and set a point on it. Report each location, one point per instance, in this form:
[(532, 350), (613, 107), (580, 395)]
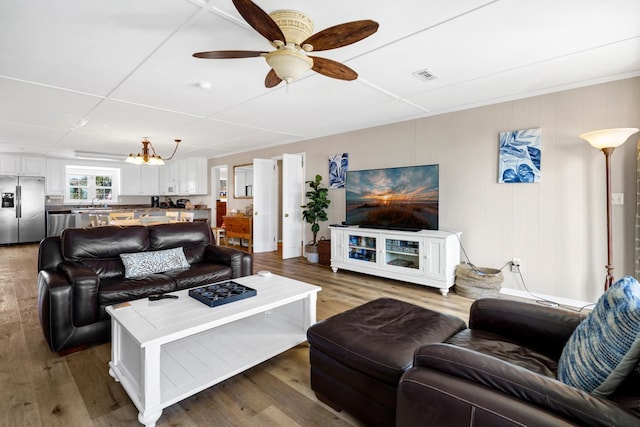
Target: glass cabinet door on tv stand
[(362, 247), (403, 253)]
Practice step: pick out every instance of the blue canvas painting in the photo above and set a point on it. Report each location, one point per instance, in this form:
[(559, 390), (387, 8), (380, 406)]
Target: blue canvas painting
[(338, 166), (520, 153)]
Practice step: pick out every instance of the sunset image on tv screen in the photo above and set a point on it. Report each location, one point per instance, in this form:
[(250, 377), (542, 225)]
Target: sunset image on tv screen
[(403, 198)]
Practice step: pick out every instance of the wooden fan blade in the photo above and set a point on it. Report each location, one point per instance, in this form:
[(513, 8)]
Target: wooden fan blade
[(342, 35), (227, 54), (272, 79), (331, 68), (259, 20)]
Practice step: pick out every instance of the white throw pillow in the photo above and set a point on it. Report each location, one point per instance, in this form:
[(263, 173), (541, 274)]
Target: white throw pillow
[(143, 263)]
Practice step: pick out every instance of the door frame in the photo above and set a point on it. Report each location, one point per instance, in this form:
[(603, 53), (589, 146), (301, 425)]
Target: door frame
[(215, 190)]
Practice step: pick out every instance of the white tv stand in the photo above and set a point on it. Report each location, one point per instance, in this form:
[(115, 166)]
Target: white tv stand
[(426, 257)]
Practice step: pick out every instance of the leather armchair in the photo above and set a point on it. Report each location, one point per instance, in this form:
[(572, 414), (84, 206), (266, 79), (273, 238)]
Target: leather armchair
[(501, 371)]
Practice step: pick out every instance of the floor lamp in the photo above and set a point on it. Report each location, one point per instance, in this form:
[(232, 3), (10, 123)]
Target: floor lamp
[(607, 140)]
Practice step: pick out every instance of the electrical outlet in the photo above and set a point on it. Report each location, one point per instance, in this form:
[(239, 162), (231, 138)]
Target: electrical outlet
[(617, 198), (515, 265)]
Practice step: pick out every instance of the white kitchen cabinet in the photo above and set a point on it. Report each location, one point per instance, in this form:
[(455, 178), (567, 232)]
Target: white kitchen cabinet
[(183, 177), (22, 165), (193, 176), (168, 179), (426, 257), (149, 181), (55, 177), (33, 166), (139, 180), (9, 165)]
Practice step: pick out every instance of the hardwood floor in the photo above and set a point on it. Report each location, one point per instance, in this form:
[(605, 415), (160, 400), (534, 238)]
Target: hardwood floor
[(41, 388)]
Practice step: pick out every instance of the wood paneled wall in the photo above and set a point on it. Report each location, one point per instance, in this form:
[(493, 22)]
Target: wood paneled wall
[(556, 227)]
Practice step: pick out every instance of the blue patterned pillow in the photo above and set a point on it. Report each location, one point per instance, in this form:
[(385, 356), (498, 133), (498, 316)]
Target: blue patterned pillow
[(605, 347), (143, 263)]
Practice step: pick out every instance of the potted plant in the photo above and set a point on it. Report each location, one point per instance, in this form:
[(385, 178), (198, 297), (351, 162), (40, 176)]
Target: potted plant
[(314, 212)]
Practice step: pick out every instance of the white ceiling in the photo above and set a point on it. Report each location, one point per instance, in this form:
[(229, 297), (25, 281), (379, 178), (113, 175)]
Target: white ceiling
[(125, 67)]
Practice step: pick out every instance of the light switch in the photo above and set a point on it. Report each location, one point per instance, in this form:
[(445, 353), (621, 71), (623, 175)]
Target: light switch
[(617, 198)]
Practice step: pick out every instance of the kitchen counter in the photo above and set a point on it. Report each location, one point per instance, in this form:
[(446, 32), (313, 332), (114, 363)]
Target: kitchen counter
[(141, 211), (118, 209), (60, 217)]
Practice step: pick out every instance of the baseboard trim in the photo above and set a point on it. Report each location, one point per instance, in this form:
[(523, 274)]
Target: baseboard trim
[(557, 300)]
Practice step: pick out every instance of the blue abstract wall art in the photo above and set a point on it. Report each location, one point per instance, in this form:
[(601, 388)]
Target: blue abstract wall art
[(338, 166), (520, 153)]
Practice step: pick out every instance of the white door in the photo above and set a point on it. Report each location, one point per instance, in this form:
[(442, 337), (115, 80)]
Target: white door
[(265, 199), (292, 188)]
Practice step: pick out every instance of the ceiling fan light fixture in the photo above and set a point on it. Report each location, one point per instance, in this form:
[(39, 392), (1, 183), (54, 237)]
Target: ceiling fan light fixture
[(296, 26), (289, 65), (290, 32)]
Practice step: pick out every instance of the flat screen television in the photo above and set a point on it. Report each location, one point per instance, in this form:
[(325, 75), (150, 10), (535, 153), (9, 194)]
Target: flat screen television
[(402, 198)]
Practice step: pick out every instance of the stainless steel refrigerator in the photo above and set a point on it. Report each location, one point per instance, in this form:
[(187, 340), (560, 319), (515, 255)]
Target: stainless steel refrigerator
[(22, 213)]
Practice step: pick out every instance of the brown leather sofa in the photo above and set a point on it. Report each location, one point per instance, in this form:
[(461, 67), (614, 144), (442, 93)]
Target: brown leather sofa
[(501, 371), (80, 273)]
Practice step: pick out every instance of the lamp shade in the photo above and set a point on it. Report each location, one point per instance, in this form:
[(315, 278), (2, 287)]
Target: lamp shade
[(608, 138)]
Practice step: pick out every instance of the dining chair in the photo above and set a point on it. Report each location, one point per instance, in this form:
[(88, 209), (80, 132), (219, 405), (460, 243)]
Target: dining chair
[(187, 216), (155, 220), (120, 216), (98, 220), (220, 235)]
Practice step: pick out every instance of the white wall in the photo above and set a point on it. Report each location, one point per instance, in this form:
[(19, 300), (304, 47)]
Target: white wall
[(556, 227)]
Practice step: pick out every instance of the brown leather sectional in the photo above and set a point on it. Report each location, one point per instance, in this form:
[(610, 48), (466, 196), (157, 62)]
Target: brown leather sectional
[(391, 365)]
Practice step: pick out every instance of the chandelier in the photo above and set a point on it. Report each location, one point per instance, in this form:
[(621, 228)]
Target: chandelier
[(149, 157)]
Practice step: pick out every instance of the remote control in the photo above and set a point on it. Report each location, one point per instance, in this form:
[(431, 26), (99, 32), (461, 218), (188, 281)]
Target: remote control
[(157, 297)]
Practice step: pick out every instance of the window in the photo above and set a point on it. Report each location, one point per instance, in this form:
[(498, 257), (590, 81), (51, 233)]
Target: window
[(90, 184)]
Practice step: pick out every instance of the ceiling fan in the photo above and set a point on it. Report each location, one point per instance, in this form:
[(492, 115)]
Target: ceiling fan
[(289, 31)]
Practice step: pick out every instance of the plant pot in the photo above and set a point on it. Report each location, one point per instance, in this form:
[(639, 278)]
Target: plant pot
[(311, 252)]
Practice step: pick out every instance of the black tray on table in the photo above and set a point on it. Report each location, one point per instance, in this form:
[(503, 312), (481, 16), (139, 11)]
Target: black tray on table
[(221, 293)]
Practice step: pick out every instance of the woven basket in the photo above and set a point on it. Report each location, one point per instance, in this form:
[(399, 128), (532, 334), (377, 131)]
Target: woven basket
[(311, 252), (324, 251), (478, 282)]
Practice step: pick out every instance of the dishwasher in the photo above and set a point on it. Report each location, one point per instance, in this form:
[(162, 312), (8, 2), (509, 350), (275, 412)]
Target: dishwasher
[(58, 222)]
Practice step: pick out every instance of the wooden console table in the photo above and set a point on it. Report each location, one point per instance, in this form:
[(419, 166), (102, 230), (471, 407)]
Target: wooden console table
[(239, 227)]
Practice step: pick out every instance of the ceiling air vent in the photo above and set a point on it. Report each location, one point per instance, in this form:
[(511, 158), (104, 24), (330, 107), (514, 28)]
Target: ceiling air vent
[(425, 75)]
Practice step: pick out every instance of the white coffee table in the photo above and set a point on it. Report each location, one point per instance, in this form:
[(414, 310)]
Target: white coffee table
[(165, 351)]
